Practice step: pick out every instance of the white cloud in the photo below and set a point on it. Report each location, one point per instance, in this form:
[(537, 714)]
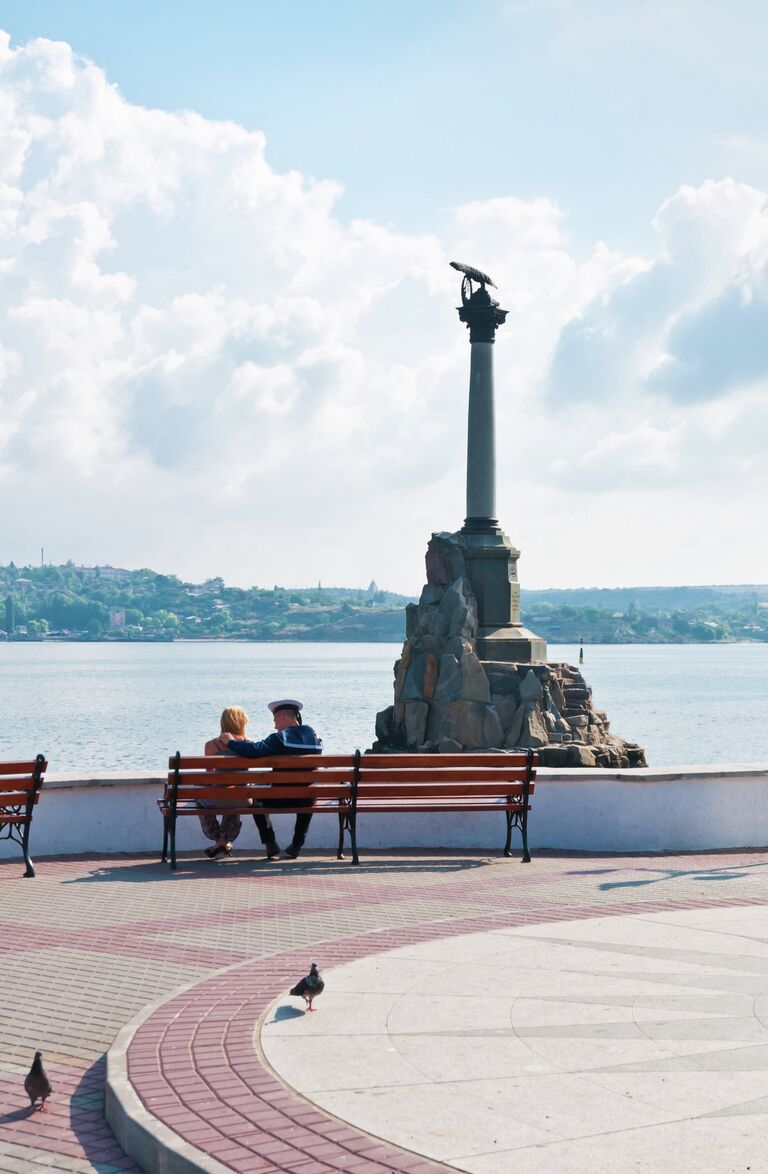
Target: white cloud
[(204, 370)]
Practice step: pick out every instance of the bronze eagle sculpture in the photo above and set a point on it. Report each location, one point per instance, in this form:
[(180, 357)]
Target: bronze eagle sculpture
[(471, 274)]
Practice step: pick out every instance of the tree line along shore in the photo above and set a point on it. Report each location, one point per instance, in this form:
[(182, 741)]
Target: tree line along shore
[(104, 603)]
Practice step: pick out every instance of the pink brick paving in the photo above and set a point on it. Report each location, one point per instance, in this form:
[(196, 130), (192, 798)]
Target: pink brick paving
[(91, 941)]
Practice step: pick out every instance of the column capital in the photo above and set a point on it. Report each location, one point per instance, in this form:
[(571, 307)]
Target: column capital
[(482, 316)]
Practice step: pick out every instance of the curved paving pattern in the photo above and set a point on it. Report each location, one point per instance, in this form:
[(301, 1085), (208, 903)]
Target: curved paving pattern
[(643, 1036), (91, 941)]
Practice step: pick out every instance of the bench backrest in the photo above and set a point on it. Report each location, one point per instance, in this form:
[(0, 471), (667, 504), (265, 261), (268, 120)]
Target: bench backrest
[(331, 776), (385, 777), (20, 784), (463, 778)]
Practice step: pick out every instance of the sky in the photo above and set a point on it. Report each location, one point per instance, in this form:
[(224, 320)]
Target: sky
[(228, 338)]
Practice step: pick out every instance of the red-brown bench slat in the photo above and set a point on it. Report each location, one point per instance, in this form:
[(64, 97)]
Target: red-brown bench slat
[(262, 794), (226, 778), (21, 768), (13, 798), (422, 761), (276, 761), (397, 791), (439, 775)]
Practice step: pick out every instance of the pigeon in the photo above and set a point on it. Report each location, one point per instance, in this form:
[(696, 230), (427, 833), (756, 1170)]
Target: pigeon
[(310, 987), (37, 1084)]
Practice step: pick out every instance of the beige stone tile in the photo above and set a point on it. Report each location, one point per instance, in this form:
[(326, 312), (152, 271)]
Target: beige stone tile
[(455, 1057), (433, 1119), (413, 1012), (354, 1062), (687, 1147)]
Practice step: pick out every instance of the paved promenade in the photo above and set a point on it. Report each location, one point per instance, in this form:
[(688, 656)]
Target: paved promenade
[(605, 1012)]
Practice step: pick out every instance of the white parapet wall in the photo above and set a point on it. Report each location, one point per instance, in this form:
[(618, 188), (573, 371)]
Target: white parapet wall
[(648, 810)]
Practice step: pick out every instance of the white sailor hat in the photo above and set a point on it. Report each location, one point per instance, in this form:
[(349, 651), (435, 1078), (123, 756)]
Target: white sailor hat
[(285, 703)]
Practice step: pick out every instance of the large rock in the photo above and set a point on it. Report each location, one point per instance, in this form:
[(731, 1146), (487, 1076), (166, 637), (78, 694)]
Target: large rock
[(530, 688), (430, 677), (445, 560), (503, 678), (475, 726), (411, 689), (534, 732), (449, 678), (437, 722), (474, 683), (385, 724), (581, 756), (506, 708), (416, 713)]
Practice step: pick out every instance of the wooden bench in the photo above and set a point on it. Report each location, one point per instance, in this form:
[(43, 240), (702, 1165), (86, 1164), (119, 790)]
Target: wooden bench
[(264, 786), (20, 784), (350, 786), (434, 783)]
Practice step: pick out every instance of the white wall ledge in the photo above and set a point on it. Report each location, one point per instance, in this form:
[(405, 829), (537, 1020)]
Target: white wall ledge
[(545, 774), (647, 809)]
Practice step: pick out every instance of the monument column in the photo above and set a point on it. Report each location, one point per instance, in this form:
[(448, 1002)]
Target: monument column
[(490, 556), (482, 316)]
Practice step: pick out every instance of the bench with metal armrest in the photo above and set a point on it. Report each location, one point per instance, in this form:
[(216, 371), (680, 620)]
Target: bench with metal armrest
[(353, 785), (20, 784)]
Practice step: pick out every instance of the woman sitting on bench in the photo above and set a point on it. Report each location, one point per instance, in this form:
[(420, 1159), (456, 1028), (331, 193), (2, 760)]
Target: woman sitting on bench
[(217, 824)]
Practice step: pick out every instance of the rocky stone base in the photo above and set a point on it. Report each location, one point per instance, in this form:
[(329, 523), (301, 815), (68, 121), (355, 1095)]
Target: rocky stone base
[(447, 700)]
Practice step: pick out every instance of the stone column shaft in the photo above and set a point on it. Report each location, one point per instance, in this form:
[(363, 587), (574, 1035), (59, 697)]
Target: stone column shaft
[(481, 437)]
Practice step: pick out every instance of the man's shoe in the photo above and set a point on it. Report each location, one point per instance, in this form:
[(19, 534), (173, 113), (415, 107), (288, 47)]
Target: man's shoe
[(293, 850), (272, 849)]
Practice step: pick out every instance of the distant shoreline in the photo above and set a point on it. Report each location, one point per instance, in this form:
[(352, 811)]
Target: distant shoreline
[(277, 641)]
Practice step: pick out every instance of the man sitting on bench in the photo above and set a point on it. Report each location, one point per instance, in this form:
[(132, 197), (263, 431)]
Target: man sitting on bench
[(291, 736)]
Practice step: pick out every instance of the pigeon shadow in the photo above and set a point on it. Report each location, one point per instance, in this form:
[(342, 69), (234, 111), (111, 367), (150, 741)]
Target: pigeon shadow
[(284, 1011), (17, 1115)]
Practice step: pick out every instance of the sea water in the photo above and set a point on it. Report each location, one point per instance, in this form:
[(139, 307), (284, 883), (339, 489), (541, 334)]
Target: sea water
[(107, 707)]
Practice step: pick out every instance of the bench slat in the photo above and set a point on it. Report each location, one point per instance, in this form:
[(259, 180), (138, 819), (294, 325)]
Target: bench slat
[(230, 778), (12, 798), (298, 761), (419, 790), (374, 806), (260, 794), (464, 777), (20, 768), (472, 758), (189, 807)]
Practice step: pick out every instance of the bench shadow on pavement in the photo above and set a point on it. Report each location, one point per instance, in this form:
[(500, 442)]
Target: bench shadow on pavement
[(152, 871)]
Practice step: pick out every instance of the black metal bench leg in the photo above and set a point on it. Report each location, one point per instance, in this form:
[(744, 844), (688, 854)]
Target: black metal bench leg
[(30, 869), (524, 828), (173, 842), (508, 842), (340, 849), (164, 857), (353, 837)]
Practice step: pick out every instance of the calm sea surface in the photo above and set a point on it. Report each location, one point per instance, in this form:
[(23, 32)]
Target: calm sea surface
[(95, 707)]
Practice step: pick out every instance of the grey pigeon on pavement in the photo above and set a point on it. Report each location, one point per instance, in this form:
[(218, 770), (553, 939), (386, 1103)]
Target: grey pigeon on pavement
[(37, 1084), (310, 987)]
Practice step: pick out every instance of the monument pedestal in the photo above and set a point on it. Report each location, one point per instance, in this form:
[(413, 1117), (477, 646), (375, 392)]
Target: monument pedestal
[(491, 567)]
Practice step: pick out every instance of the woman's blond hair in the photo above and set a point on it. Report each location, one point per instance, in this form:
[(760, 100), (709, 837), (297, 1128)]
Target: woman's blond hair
[(233, 720)]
